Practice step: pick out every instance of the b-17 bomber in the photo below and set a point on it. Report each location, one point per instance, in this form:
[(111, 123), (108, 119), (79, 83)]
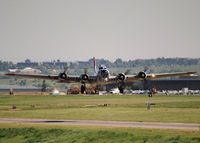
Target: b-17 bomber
[(100, 78)]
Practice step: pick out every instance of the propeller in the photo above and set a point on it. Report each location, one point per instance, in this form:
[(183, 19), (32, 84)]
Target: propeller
[(85, 76), (63, 75), (127, 71), (146, 68), (85, 70), (142, 74), (121, 78), (66, 68)]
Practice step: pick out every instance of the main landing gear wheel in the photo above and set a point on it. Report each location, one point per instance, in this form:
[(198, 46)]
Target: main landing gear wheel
[(83, 88), (121, 89)]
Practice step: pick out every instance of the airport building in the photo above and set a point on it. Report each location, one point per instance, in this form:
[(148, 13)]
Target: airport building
[(164, 84), (24, 64), (176, 84)]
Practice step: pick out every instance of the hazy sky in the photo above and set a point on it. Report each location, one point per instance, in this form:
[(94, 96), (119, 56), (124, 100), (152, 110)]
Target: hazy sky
[(71, 30)]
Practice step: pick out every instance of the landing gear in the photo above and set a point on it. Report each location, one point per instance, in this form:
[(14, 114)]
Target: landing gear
[(83, 88), (121, 88)]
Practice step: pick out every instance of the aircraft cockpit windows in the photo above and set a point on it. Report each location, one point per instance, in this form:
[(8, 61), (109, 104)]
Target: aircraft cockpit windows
[(101, 67)]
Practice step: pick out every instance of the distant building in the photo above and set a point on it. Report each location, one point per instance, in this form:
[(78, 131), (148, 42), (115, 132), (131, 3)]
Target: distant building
[(13, 70), (177, 84), (61, 64), (25, 70), (83, 64), (23, 64), (164, 84), (54, 63), (52, 71), (30, 70), (48, 63)]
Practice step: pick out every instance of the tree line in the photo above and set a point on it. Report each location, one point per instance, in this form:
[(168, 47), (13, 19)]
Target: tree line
[(118, 63)]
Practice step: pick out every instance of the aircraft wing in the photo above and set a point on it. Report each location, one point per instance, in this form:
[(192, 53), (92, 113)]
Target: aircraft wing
[(39, 76), (92, 79), (163, 75), (69, 79), (131, 78)]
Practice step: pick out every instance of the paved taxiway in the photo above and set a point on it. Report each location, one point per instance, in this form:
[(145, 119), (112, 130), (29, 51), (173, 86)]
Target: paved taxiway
[(105, 123)]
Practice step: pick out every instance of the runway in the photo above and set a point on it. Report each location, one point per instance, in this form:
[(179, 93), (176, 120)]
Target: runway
[(105, 123)]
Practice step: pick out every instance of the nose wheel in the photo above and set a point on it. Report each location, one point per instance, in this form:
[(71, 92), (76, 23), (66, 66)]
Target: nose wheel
[(83, 88)]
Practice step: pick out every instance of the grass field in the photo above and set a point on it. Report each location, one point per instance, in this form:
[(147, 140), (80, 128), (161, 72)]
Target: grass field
[(19, 133), (182, 109)]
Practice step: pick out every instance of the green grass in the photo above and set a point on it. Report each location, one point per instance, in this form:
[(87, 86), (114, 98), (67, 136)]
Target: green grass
[(182, 109), (76, 134)]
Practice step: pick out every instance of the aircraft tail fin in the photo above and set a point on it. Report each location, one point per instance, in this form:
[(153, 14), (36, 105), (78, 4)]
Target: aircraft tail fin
[(95, 70)]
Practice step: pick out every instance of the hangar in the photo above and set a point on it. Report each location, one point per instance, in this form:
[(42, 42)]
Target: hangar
[(176, 84), (164, 84)]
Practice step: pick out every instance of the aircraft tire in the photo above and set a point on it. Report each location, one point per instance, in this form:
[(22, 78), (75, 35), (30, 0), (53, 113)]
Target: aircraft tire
[(83, 89), (121, 90)]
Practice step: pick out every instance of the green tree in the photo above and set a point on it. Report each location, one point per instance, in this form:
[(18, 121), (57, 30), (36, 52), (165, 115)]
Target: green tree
[(27, 61), (118, 62)]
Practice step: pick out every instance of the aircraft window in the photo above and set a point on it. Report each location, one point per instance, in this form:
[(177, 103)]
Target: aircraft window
[(102, 67)]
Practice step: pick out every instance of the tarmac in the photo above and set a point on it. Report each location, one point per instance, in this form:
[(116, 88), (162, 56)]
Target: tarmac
[(185, 126)]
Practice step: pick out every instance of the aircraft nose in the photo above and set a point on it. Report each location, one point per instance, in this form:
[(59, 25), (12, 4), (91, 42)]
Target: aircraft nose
[(104, 73)]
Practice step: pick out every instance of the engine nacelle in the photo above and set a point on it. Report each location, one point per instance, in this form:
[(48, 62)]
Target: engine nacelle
[(63, 75), (142, 75), (84, 77), (121, 76)]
